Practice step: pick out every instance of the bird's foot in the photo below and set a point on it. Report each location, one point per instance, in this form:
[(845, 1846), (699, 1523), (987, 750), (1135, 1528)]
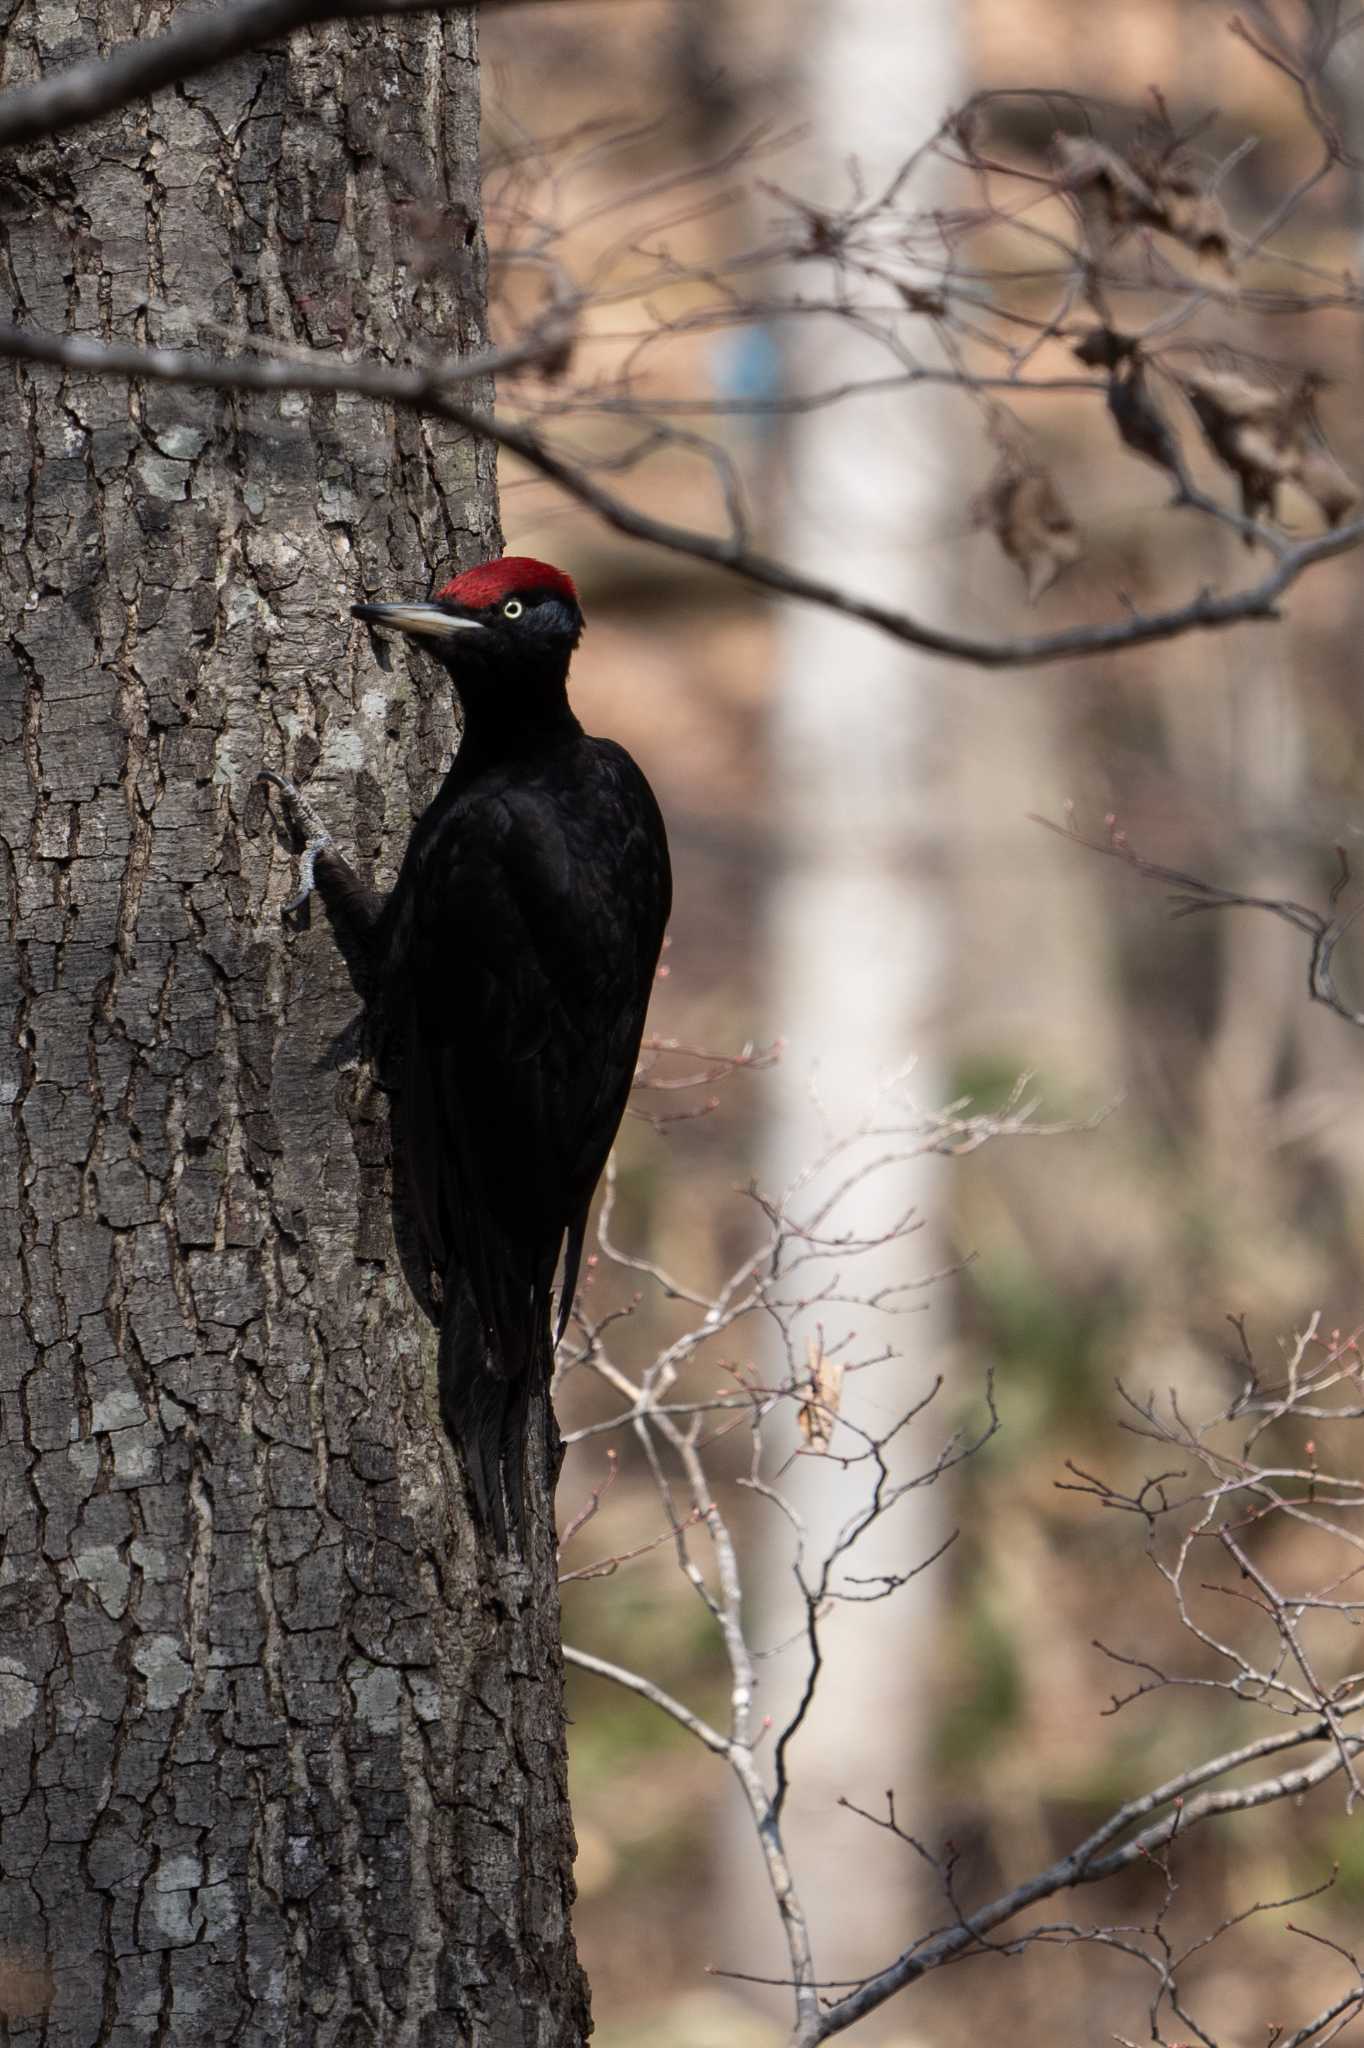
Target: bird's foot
[(304, 821)]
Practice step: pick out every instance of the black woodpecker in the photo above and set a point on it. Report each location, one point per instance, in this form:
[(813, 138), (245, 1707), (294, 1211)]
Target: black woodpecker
[(505, 980)]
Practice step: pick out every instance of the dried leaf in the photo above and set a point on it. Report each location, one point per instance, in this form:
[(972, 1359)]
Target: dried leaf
[(1090, 167), (1261, 465), (1111, 197), (1149, 189), (1326, 483), (1225, 396), (1031, 521), (1103, 348), (1139, 419), (818, 1411), (1267, 437), (1243, 423), (1196, 219)]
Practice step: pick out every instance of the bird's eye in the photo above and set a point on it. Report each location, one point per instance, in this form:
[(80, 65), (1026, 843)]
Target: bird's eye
[(513, 608)]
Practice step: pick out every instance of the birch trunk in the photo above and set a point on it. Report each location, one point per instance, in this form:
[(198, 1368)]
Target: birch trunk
[(857, 956), (283, 1753)]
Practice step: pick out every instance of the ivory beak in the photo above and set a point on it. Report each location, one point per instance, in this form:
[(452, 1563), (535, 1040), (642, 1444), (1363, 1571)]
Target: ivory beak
[(423, 621)]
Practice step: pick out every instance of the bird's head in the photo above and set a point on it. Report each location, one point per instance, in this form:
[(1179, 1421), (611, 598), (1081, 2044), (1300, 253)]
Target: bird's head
[(504, 619)]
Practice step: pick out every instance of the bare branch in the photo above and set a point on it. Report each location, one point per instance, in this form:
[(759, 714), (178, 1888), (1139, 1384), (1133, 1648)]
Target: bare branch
[(200, 38), (1190, 894), (1085, 1866), (656, 1696), (424, 391)]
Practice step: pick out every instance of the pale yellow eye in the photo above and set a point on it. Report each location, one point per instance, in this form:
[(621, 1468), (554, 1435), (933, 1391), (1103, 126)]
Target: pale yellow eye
[(513, 608)]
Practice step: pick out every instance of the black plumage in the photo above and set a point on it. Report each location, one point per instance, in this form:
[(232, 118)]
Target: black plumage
[(505, 979)]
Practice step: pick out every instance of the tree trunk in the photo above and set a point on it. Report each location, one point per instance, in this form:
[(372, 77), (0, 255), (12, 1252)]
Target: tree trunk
[(283, 1750), (858, 946)]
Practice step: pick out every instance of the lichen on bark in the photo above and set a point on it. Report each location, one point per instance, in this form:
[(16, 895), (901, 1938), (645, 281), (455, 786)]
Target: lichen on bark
[(281, 1752)]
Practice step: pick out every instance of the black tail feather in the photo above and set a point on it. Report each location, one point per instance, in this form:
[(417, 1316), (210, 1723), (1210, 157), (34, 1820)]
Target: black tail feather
[(512, 1454), (472, 1403), (568, 1286), (486, 1409)]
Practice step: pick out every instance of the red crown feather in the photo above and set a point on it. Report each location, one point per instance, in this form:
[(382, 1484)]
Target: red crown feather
[(490, 582)]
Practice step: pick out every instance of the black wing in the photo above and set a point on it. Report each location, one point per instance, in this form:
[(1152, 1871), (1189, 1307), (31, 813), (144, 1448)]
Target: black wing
[(640, 891), (526, 930)]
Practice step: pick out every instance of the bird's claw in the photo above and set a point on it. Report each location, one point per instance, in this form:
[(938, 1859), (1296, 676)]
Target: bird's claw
[(305, 822), (299, 812), (306, 877)]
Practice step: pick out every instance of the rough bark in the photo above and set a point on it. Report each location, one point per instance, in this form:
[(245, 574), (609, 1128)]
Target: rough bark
[(281, 1754)]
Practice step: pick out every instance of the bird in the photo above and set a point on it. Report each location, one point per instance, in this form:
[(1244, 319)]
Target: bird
[(504, 981)]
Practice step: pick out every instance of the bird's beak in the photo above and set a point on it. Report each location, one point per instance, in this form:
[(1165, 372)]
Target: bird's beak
[(424, 621)]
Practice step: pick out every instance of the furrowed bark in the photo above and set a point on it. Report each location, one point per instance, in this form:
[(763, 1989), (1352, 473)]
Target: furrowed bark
[(281, 1754)]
